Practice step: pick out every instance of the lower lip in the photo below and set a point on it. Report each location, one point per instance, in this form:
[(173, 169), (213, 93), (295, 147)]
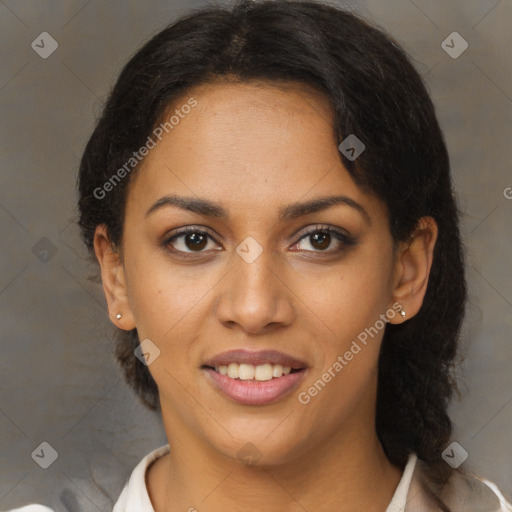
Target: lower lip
[(250, 392)]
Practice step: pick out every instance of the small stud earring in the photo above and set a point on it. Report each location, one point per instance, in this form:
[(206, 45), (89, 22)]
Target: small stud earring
[(402, 312), (118, 316)]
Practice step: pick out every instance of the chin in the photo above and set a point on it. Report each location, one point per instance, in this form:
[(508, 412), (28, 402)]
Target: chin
[(251, 449)]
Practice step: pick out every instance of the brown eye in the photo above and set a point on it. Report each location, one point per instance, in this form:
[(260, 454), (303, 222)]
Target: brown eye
[(190, 240), (320, 240), (195, 241), (325, 239)]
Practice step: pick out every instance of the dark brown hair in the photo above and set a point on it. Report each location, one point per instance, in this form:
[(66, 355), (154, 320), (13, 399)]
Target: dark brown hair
[(375, 93)]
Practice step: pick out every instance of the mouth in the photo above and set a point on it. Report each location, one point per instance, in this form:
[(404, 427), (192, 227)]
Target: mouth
[(254, 378), (260, 373)]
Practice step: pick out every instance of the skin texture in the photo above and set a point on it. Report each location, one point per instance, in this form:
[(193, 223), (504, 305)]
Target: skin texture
[(255, 148)]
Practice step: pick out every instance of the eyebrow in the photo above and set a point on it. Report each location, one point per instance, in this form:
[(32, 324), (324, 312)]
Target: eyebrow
[(288, 212)]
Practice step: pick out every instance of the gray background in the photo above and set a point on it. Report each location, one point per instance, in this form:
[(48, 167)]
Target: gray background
[(59, 382)]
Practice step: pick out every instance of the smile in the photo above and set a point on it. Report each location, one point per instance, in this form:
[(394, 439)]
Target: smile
[(254, 378), (261, 372)]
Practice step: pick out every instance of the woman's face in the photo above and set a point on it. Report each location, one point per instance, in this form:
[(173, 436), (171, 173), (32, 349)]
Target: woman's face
[(257, 272)]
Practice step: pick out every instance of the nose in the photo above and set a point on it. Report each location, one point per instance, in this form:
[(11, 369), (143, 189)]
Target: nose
[(254, 297)]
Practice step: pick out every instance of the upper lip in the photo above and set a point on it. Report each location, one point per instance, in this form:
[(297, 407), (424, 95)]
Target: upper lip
[(255, 358)]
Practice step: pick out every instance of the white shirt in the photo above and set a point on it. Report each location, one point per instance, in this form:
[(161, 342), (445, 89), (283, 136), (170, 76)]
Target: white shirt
[(135, 497)]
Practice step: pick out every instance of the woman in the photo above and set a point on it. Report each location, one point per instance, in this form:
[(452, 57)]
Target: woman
[(269, 198)]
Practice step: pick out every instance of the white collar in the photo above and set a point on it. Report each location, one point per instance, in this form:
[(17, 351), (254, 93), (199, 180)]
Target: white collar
[(399, 499), (135, 497)]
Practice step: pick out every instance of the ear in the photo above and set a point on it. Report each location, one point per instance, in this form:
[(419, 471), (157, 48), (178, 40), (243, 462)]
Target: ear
[(113, 278), (413, 262)]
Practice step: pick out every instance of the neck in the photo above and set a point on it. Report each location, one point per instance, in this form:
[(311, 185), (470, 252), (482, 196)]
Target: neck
[(347, 473)]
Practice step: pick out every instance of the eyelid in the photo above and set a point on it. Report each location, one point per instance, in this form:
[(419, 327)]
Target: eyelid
[(342, 236), (339, 233), (180, 232), (191, 229), (206, 231), (324, 228)]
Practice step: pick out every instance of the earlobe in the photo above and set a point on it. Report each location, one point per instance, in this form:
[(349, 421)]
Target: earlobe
[(113, 279), (412, 268)]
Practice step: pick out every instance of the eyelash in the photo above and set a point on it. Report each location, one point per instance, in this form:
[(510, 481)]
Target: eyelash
[(345, 239)]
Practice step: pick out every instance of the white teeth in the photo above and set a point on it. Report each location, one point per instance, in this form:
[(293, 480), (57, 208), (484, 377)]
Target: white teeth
[(233, 370), (246, 372), (264, 372), (277, 370), (261, 372)]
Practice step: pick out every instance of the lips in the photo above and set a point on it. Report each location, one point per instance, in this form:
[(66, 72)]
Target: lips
[(257, 358), (249, 391)]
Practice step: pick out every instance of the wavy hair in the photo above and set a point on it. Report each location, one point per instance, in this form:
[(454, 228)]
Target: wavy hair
[(375, 93)]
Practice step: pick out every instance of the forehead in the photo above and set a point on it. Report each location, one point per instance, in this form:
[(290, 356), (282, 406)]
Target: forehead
[(247, 144)]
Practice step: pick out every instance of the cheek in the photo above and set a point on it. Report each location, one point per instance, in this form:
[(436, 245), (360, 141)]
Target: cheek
[(172, 307), (350, 308), (349, 298), (161, 293), (349, 303)]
